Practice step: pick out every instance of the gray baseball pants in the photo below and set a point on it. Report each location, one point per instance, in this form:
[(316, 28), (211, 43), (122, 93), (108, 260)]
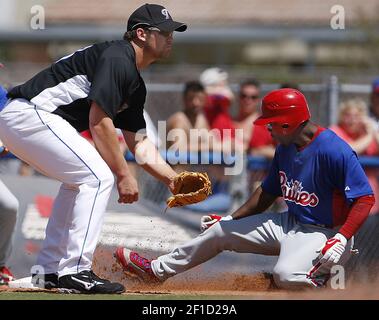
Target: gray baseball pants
[(276, 234)]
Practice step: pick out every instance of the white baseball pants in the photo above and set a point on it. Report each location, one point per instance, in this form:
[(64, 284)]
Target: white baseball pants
[(276, 234), (8, 217), (52, 146)]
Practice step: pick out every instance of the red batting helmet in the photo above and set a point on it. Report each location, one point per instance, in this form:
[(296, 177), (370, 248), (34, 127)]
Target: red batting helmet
[(285, 107)]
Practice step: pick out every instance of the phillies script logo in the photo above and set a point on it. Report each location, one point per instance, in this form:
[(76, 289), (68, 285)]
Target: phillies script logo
[(293, 191)]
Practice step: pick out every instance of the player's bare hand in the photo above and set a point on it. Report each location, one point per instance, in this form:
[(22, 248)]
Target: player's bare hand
[(369, 125), (127, 187), (171, 185)]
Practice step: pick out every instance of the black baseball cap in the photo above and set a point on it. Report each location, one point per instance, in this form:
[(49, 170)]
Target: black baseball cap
[(154, 15)]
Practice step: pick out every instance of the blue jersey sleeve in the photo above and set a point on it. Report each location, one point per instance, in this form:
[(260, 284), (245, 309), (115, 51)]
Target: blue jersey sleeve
[(347, 173), (271, 183)]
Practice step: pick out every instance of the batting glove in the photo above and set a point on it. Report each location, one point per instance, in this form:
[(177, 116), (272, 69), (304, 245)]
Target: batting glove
[(210, 220), (333, 249)]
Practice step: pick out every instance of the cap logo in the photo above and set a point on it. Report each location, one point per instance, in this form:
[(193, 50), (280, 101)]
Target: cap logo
[(166, 14)]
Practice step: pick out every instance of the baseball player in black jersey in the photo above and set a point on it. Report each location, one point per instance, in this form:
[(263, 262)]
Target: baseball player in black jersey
[(98, 87)]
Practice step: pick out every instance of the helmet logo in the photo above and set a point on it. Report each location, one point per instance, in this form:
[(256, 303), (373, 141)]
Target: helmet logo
[(272, 104), (165, 13)]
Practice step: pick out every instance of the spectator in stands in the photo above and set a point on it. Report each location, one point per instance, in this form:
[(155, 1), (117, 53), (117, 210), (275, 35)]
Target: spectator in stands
[(179, 127), (261, 143), (355, 127), (191, 117), (219, 100), (256, 139), (358, 130), (206, 106), (248, 108)]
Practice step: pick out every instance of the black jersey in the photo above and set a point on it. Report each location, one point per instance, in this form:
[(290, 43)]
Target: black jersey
[(105, 73)]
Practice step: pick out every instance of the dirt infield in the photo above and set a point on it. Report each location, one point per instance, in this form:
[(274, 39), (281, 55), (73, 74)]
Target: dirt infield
[(225, 285), (191, 282), (230, 285)]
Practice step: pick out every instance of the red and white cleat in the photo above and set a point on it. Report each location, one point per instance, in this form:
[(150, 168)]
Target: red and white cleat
[(136, 265), (5, 276)]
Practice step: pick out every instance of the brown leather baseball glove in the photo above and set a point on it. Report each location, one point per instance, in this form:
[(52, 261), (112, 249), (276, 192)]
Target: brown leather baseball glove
[(189, 187)]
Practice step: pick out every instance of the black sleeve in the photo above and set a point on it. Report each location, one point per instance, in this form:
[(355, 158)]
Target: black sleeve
[(130, 119), (110, 84)]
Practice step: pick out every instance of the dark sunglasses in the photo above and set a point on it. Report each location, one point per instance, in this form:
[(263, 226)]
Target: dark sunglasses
[(245, 96)]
